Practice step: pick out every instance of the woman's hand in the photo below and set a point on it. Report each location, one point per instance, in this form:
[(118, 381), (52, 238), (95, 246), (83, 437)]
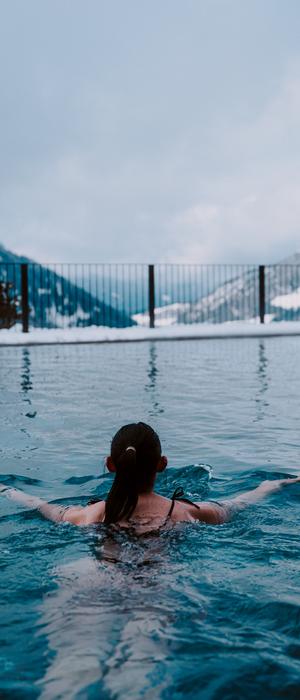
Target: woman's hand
[(276, 484), (266, 488)]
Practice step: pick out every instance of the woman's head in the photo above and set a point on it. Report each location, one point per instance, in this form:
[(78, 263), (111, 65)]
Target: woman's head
[(135, 458)]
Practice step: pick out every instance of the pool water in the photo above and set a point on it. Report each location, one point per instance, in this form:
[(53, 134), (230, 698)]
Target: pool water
[(199, 612)]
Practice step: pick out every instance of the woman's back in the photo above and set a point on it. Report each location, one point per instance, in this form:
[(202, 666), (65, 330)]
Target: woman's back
[(153, 511)]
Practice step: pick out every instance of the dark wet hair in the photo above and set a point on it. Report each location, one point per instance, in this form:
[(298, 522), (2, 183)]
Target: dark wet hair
[(135, 469)]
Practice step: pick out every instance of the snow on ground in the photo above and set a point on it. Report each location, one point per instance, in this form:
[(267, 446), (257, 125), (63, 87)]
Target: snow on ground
[(164, 315), (288, 301), (103, 334)]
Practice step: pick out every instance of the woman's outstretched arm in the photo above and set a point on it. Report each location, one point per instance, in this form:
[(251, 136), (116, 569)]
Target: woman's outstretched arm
[(264, 489), (78, 515), (217, 513)]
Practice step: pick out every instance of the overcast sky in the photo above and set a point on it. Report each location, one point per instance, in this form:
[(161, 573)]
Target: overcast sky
[(150, 130)]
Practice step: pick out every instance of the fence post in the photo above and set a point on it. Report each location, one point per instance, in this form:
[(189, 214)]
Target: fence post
[(24, 297), (151, 296), (262, 293)]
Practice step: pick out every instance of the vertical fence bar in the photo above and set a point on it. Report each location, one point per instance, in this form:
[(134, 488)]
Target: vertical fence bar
[(24, 297), (262, 293), (151, 296)]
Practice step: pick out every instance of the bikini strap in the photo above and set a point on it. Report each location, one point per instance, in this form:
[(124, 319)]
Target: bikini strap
[(178, 496), (178, 493)]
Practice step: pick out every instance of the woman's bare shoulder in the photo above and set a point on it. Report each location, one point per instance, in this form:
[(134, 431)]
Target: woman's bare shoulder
[(88, 515), (212, 512), (204, 511), (94, 513)]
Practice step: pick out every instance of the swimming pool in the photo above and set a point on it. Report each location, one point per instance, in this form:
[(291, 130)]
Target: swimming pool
[(201, 612)]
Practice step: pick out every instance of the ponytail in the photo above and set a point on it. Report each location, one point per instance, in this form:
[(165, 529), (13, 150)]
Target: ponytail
[(123, 496), (135, 451)]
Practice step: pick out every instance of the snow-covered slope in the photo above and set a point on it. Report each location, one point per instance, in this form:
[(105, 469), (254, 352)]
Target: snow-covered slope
[(55, 301), (237, 299)]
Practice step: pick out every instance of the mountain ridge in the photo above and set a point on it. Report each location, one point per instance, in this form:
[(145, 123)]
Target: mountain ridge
[(56, 301)]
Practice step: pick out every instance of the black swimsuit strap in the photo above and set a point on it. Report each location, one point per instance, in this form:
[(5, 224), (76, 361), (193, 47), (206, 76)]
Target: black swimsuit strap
[(178, 496)]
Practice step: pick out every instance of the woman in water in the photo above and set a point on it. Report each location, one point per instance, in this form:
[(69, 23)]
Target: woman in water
[(135, 460)]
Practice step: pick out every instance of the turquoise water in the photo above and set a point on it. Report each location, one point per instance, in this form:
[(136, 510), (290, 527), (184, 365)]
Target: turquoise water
[(201, 612)]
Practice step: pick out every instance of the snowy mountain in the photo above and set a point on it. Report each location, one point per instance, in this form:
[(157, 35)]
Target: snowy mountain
[(57, 301), (164, 315), (237, 298)]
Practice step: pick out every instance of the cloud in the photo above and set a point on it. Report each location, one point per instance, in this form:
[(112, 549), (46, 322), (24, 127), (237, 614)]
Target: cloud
[(252, 212), (148, 144)]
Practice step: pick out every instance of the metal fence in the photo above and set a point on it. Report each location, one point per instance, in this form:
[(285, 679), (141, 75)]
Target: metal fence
[(123, 295)]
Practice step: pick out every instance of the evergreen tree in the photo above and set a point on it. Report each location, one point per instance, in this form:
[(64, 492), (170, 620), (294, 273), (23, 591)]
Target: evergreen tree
[(9, 313)]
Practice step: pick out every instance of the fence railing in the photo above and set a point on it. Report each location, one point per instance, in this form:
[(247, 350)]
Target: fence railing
[(122, 295)]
